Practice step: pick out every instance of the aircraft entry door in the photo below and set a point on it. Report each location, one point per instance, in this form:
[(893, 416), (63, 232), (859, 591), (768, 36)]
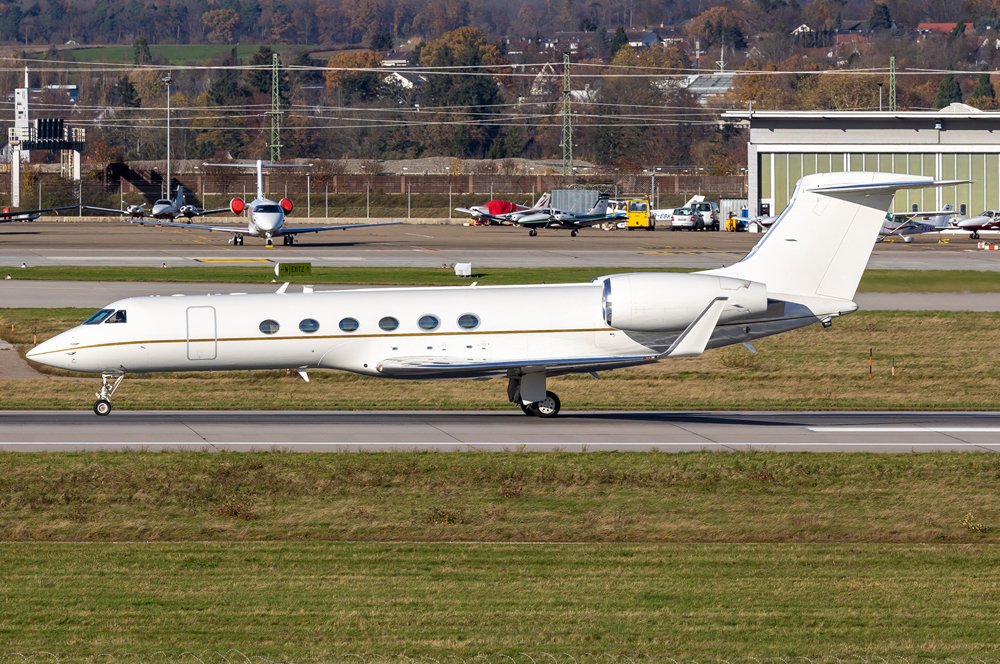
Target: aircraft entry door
[(201, 333)]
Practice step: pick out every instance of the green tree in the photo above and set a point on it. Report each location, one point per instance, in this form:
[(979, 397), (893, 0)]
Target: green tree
[(949, 91), (258, 78), (880, 18), (619, 40), (140, 52), (984, 88), (125, 94)]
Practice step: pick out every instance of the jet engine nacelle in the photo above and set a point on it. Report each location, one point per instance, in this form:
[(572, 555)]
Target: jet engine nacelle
[(286, 205), (236, 206), (652, 302)]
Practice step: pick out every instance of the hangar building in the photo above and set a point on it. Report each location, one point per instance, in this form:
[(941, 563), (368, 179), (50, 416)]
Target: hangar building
[(956, 143)]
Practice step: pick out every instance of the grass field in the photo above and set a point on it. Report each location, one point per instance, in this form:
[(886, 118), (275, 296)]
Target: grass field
[(174, 54), (926, 360), (315, 557), (882, 281)]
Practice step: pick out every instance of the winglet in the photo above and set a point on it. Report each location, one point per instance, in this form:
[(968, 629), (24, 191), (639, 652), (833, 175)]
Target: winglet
[(694, 339)]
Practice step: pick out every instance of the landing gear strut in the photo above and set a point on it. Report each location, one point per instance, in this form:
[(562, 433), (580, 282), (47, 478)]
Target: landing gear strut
[(288, 240), (975, 235), (238, 240), (268, 242), (528, 391), (109, 383)]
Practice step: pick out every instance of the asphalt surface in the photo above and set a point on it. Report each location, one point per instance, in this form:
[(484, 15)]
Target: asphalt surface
[(310, 431), (119, 243)]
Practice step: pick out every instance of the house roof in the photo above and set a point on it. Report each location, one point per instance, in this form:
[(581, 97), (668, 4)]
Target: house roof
[(945, 28)]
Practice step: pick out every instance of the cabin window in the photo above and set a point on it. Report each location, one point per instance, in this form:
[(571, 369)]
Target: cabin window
[(309, 325), (269, 326), (349, 324), (428, 322), (99, 317), (468, 321), (118, 317), (388, 323)]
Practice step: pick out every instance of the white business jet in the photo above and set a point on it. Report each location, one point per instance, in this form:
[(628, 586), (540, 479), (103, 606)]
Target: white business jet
[(805, 270), (267, 217), (163, 208)]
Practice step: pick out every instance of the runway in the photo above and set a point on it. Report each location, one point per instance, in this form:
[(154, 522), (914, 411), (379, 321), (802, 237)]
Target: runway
[(311, 431), (118, 243)]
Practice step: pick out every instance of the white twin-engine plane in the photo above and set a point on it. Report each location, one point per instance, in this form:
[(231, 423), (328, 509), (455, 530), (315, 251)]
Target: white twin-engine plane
[(805, 270), (267, 217)]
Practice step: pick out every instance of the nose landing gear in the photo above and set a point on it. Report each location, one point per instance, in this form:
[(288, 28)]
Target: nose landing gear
[(109, 383)]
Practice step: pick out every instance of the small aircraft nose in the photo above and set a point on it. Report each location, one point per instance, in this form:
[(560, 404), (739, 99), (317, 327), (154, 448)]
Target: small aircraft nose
[(267, 221)]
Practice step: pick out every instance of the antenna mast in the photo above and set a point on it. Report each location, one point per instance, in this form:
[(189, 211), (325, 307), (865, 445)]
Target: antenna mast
[(275, 110), (567, 120), (892, 83)]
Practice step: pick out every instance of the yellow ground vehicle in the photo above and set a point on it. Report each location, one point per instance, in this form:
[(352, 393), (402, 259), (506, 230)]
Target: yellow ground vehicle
[(634, 212)]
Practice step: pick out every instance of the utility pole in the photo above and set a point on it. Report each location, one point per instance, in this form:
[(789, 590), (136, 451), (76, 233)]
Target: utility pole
[(567, 121), (168, 80), (892, 83), (275, 110)]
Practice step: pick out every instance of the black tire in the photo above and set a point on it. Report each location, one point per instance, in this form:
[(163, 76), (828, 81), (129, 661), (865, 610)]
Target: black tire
[(526, 408), (975, 235), (532, 232), (547, 407), (574, 233), (715, 227), (102, 407)]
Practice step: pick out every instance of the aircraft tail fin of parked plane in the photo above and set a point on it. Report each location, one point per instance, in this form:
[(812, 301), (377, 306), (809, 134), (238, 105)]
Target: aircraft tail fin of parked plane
[(819, 246)]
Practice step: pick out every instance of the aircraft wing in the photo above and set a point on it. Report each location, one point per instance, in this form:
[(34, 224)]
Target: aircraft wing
[(181, 224), (293, 230), (214, 211), (15, 215), (104, 209), (458, 367)]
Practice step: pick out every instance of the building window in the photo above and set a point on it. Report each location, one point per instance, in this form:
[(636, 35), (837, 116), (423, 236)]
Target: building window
[(309, 325), (349, 324), (269, 326), (428, 322), (468, 321), (388, 323)]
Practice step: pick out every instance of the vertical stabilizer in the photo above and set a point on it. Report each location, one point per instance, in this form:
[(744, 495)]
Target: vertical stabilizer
[(179, 201), (820, 244)]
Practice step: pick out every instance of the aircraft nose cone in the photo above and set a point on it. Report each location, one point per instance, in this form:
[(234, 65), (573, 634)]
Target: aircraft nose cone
[(55, 352), (267, 221)]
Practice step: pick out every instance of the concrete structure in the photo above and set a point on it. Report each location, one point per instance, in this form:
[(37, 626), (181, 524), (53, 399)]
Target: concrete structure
[(958, 142)]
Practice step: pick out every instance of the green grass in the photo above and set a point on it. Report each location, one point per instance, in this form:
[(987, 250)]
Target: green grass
[(311, 558), (887, 281), (174, 54)]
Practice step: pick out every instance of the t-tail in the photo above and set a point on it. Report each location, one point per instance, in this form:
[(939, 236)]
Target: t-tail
[(260, 165), (819, 246)]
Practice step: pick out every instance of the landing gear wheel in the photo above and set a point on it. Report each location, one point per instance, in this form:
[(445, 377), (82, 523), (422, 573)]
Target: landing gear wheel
[(109, 384), (573, 233), (288, 240), (102, 407), (526, 408), (547, 407), (238, 240), (975, 235), (532, 232)]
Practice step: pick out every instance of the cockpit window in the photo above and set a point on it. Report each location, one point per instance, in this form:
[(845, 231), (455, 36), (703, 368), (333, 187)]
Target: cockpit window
[(117, 317), (99, 317), (267, 208), (163, 201)]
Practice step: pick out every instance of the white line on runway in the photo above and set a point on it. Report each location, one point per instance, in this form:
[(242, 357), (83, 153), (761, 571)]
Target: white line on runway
[(913, 429)]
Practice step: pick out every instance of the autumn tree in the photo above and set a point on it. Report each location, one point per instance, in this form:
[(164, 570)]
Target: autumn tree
[(475, 97), (718, 24), (223, 25), (983, 95), (838, 91), (353, 77)]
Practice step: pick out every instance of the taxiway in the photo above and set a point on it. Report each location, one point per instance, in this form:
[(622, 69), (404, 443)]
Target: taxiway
[(312, 431)]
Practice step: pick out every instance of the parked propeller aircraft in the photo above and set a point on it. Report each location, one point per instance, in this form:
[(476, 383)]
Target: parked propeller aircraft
[(805, 270), (498, 211), (8, 216), (267, 217), (163, 208), (552, 218), (988, 220), (904, 224)]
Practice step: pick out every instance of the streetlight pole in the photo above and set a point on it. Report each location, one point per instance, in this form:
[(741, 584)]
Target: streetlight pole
[(168, 80)]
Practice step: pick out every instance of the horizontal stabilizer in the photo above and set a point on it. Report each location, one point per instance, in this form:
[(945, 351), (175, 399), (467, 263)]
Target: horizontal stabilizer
[(694, 339), (886, 187)]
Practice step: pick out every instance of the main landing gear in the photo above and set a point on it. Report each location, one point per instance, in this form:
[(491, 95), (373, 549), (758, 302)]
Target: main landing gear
[(975, 235), (573, 233), (288, 240), (109, 383), (238, 240), (532, 232), (527, 390)]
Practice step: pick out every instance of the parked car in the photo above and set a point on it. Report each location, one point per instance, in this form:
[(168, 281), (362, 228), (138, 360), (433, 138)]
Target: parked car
[(709, 214), (686, 219)]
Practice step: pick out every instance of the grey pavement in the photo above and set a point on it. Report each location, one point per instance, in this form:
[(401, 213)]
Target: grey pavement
[(312, 431)]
